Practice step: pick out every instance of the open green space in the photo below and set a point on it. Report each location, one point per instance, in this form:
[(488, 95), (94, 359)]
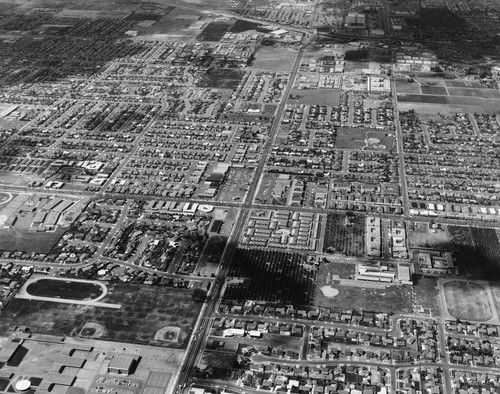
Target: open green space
[(361, 138), (421, 235), (221, 79), (328, 97), (395, 299), (266, 116), (467, 301), (144, 311), (427, 295), (333, 266), (270, 58), (14, 239)]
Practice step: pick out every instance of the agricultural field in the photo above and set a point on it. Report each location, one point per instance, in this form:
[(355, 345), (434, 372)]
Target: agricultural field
[(215, 31), (272, 276), (345, 233), (423, 98), (472, 92), (177, 23), (455, 83), (487, 251), (241, 26), (463, 246), (148, 315), (477, 252), (438, 90)]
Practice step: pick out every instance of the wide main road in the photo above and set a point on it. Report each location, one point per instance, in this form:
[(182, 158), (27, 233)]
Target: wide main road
[(202, 328), (273, 131)]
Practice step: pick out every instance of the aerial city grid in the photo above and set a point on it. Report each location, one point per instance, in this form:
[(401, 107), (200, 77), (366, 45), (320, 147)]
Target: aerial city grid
[(250, 196)]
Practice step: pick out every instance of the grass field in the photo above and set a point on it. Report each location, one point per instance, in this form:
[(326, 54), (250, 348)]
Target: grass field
[(467, 301), (419, 236), (221, 79), (429, 109), (270, 58), (266, 116), (334, 266), (395, 299), (427, 294), (407, 87), (328, 97), (357, 138), (144, 310), (29, 241)]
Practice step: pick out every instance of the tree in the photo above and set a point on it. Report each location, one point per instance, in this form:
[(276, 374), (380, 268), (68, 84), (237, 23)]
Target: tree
[(199, 295)]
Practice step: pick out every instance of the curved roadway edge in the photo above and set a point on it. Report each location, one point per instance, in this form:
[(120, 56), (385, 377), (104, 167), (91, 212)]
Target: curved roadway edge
[(9, 198)]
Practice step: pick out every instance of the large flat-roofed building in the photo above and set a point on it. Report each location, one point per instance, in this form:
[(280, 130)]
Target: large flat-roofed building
[(122, 364), (355, 21), (9, 349)]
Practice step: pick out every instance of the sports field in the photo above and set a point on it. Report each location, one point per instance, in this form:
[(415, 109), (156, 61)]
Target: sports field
[(467, 301), (361, 138), (392, 299), (149, 315)]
